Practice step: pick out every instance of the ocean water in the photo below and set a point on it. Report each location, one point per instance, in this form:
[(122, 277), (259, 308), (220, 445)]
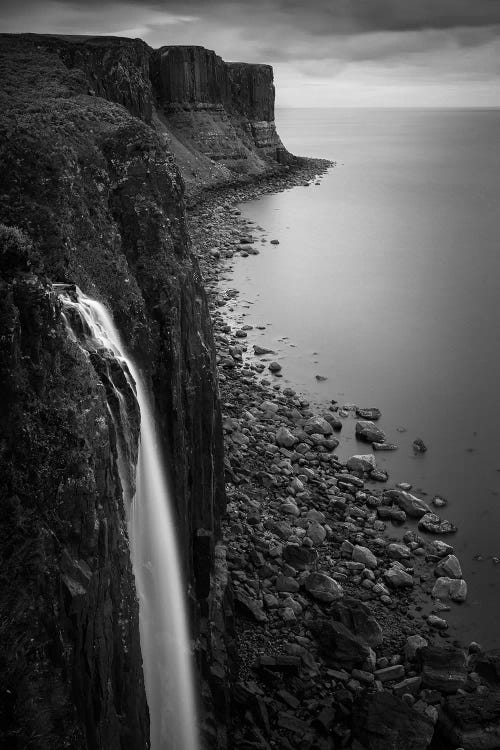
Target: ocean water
[(386, 281)]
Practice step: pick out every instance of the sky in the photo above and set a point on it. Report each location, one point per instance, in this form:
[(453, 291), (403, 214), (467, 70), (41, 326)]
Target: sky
[(325, 53)]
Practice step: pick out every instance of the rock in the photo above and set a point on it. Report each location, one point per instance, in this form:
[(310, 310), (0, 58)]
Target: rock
[(280, 528), (437, 622), (289, 508), (339, 645), (398, 551), (412, 506), (419, 446), (439, 548), (317, 533), (249, 606), (435, 525), (398, 578), (449, 566), (285, 438), (362, 463), (335, 422), (443, 668), (471, 721), (364, 555), (287, 584), (369, 432), (371, 413), (275, 242), (458, 590), (383, 721), (358, 618), (322, 587), (384, 446), (274, 367), (260, 350), (413, 645), (487, 664), (300, 558), (393, 672), (318, 426), (441, 589), (392, 514)]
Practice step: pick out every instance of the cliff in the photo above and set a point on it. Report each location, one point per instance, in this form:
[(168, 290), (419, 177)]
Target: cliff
[(223, 113), (90, 194)]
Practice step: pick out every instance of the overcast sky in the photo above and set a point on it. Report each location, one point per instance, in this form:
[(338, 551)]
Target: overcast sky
[(324, 52)]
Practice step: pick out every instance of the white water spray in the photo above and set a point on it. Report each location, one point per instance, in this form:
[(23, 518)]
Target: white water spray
[(162, 609)]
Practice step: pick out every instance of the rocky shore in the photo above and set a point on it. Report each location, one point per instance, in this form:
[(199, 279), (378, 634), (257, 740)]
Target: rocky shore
[(340, 582)]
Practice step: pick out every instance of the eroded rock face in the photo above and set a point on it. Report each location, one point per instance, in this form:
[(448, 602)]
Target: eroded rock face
[(67, 596), (222, 111), (95, 190)]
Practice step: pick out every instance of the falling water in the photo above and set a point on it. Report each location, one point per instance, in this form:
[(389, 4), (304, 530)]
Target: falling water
[(155, 559)]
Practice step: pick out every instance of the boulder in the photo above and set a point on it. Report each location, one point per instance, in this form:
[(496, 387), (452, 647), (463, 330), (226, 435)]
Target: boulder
[(358, 618), (449, 566), (285, 438), (316, 533), (419, 446), (287, 584), (260, 350), (362, 463), (369, 432), (435, 525), (458, 590), (335, 421), (384, 446), (488, 666), (249, 607), (441, 549), (371, 413), (412, 506), (322, 587), (383, 721), (318, 426), (300, 558), (365, 556), (441, 589), (471, 721), (274, 367), (398, 578), (444, 668), (289, 507), (398, 551), (450, 588), (413, 645), (339, 645)]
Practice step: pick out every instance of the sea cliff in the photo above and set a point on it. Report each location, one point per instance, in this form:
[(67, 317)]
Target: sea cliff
[(102, 142)]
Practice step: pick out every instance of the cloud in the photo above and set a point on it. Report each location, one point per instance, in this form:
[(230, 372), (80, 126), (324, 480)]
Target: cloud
[(320, 43)]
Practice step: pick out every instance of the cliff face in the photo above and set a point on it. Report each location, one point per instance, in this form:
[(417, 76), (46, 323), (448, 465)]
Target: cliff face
[(98, 201), (220, 113)]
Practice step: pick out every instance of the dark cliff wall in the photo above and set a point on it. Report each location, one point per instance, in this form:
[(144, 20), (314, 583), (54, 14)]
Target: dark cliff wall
[(220, 116), (190, 76), (96, 191)]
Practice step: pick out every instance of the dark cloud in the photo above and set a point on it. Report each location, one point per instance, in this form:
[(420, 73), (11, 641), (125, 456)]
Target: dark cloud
[(322, 17), (422, 42)]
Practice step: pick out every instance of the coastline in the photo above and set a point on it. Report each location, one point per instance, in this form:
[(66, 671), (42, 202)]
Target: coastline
[(308, 539)]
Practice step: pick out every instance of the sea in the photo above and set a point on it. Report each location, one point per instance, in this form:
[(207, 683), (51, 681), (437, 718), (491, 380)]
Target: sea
[(386, 282)]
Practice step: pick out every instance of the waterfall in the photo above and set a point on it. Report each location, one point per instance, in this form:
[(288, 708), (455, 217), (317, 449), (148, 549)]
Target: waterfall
[(164, 636)]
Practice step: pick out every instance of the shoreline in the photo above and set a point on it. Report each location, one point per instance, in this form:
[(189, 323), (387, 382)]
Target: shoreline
[(308, 538)]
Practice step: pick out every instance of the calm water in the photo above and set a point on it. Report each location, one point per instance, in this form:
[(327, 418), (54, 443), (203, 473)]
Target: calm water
[(386, 281)]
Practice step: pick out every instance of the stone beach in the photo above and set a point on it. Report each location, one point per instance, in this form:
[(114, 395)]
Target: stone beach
[(340, 585)]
